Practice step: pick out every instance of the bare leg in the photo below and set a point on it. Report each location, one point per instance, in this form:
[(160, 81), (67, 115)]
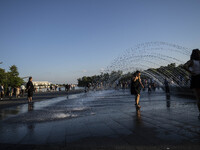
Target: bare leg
[(138, 99), (30, 99)]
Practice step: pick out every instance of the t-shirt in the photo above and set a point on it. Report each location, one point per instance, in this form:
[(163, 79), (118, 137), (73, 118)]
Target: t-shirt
[(30, 86), (195, 68), (22, 87), (1, 88)]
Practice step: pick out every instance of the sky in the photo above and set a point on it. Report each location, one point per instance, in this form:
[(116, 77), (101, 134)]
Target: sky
[(62, 40)]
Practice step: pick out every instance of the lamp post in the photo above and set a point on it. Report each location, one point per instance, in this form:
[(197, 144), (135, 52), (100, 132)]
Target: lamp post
[(25, 77)]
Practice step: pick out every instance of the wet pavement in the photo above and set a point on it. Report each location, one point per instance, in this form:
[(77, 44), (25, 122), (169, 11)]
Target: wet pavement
[(103, 118)]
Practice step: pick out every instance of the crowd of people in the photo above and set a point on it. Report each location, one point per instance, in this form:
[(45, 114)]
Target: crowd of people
[(12, 92), (149, 84), (20, 91)]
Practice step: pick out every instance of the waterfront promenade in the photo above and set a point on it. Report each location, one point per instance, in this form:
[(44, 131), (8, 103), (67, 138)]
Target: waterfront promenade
[(38, 96), (102, 120)]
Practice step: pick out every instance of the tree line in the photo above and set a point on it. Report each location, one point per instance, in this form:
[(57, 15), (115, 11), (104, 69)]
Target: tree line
[(171, 71), (10, 78), (96, 79)]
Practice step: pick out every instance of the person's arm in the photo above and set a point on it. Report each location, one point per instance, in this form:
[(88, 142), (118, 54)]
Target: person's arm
[(134, 79), (28, 86), (141, 83), (187, 65)]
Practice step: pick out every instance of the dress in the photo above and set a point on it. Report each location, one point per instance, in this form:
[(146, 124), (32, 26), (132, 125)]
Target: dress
[(195, 79), (135, 87)]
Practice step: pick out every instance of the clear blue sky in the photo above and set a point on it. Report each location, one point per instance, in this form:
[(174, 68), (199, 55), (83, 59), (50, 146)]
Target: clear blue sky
[(61, 40)]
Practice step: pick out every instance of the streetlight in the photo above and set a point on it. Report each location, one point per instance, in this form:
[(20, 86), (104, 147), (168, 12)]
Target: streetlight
[(25, 77)]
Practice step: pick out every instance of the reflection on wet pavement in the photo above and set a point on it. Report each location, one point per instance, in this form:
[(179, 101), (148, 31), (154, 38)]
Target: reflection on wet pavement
[(100, 115)]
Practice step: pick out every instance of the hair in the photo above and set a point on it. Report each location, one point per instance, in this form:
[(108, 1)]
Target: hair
[(136, 73), (195, 54), (30, 78)]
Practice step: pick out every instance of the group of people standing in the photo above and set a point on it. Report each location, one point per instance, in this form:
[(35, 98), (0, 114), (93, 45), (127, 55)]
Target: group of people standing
[(67, 87), (18, 91), (192, 66)]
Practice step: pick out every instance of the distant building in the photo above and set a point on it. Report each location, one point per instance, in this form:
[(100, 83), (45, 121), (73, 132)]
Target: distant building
[(41, 84)]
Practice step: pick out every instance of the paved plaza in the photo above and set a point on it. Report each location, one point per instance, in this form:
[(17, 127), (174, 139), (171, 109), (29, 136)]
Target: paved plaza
[(103, 119)]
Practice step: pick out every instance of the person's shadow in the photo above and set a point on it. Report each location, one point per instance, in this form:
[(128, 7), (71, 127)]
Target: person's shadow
[(30, 107), (30, 126), (138, 117)]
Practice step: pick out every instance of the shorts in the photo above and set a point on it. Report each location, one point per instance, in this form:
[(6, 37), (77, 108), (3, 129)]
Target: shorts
[(195, 82), (30, 94)]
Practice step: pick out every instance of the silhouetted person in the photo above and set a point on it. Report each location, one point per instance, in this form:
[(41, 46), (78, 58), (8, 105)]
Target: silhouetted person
[(51, 87), (23, 90), (68, 87), (135, 87), (154, 86), (1, 91), (166, 83), (149, 88), (168, 100), (123, 85), (193, 66), (30, 89)]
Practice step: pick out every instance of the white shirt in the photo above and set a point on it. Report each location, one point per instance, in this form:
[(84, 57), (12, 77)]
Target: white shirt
[(1, 88), (195, 68), (22, 87)]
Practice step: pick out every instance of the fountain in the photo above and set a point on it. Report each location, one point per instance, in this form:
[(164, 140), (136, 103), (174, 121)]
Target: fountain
[(150, 55)]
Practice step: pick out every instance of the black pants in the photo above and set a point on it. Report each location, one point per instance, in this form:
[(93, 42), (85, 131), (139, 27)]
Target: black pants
[(1, 94)]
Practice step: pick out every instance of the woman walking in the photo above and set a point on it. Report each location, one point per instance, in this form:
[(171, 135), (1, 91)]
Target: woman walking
[(135, 87), (193, 67)]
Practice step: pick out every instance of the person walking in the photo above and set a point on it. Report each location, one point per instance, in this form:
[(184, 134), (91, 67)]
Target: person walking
[(23, 90), (10, 90), (30, 89), (135, 87), (193, 67), (17, 92), (1, 92)]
